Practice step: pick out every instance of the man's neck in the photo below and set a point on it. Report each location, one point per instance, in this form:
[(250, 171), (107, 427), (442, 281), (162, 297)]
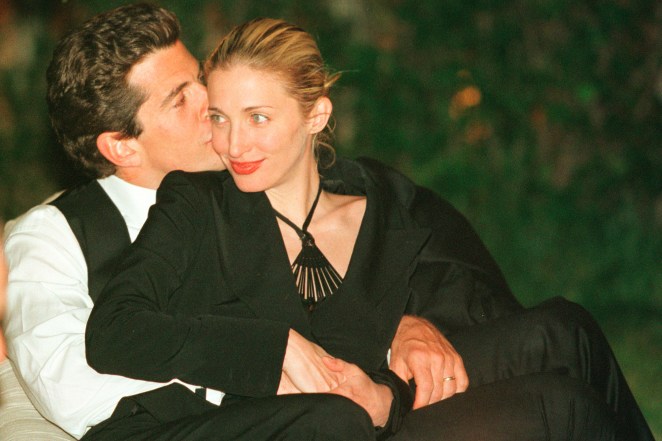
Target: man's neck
[(139, 177)]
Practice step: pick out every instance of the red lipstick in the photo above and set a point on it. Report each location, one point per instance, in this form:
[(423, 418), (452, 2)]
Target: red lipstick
[(245, 168)]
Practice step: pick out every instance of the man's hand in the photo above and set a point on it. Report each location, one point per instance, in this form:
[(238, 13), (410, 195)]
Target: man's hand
[(375, 398), (304, 370), (421, 352)]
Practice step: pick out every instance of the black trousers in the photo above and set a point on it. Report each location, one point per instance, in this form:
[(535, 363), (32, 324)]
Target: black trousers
[(536, 407), (559, 337)]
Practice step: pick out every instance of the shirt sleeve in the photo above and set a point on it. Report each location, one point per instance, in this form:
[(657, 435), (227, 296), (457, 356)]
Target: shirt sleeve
[(47, 310)]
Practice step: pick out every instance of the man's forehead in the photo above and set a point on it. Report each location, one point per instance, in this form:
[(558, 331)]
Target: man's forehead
[(163, 71)]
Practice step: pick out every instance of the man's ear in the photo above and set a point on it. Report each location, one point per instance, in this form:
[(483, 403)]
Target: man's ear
[(320, 114), (119, 150)]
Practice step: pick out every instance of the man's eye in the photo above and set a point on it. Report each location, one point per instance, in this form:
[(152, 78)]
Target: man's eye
[(181, 100), (258, 118)]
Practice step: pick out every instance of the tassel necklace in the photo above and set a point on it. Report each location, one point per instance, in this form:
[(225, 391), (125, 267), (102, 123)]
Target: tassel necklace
[(314, 276)]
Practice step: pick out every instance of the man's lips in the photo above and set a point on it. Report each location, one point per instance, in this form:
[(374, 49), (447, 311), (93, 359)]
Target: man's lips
[(245, 168)]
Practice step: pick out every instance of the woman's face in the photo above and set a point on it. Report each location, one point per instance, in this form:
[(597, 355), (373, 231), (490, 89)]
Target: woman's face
[(258, 129)]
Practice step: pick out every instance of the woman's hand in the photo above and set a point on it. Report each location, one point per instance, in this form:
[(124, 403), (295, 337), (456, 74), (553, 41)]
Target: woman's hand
[(304, 370), (421, 352), (375, 398)]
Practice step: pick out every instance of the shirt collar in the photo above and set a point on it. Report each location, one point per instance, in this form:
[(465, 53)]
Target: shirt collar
[(132, 201)]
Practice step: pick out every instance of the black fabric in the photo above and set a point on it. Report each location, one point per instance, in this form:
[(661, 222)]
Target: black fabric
[(403, 400), (455, 280), (537, 407), (557, 337), (100, 229), (173, 413)]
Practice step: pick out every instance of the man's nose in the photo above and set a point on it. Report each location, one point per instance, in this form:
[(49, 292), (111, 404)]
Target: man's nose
[(201, 94)]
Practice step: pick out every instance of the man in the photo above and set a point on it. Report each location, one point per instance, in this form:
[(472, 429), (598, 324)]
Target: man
[(126, 103), (130, 137)]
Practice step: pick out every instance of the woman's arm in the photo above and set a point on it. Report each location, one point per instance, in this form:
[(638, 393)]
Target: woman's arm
[(304, 368), (151, 322)]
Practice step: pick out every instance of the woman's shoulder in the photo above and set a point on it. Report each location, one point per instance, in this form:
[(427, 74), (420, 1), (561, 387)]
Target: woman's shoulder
[(394, 185), (388, 181)]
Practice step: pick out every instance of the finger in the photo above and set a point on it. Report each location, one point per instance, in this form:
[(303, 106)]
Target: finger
[(400, 368), (449, 380), (333, 364), (437, 379), (424, 387), (461, 376)]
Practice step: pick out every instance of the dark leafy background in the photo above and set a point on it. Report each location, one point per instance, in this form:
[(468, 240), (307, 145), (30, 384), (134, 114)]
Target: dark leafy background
[(540, 120)]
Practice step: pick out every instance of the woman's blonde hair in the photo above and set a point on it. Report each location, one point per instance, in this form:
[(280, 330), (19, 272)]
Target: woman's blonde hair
[(285, 50)]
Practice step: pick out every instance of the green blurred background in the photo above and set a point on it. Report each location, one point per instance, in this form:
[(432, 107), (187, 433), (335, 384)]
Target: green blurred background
[(540, 120)]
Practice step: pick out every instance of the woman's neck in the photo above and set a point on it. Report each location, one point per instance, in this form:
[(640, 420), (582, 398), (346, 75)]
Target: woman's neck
[(294, 199)]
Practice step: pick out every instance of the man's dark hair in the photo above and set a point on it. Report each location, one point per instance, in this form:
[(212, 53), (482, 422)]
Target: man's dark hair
[(88, 92)]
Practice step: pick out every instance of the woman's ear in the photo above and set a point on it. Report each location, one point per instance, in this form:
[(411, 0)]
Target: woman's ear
[(320, 114), (118, 149)]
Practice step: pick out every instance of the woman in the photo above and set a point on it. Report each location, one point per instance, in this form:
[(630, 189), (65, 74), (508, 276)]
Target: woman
[(207, 294)]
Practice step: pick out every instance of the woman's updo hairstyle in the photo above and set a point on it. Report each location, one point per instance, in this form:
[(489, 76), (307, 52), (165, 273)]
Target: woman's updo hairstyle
[(285, 50)]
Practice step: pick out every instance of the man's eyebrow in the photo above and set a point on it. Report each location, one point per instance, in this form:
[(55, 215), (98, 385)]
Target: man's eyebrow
[(173, 93)]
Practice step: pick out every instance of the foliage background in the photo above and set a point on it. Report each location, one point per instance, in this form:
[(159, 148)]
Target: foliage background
[(540, 120)]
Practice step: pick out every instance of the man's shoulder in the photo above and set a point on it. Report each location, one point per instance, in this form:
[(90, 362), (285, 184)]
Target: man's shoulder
[(37, 218), (79, 196)]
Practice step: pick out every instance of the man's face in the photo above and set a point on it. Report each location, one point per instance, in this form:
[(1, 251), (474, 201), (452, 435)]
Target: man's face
[(176, 130)]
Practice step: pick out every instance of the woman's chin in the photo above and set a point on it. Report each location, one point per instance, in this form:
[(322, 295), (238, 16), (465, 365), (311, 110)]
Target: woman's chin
[(247, 185)]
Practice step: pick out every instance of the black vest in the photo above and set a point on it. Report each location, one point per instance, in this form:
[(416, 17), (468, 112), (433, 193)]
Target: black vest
[(99, 228)]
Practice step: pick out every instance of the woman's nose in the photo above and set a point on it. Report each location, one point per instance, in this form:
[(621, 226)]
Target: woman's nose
[(237, 142)]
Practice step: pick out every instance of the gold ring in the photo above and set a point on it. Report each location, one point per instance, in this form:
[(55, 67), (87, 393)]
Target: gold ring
[(449, 378)]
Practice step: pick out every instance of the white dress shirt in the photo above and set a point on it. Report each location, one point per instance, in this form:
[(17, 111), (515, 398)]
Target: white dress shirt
[(47, 309)]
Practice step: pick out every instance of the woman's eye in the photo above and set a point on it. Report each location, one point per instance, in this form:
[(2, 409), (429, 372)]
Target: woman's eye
[(216, 118), (258, 118)]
